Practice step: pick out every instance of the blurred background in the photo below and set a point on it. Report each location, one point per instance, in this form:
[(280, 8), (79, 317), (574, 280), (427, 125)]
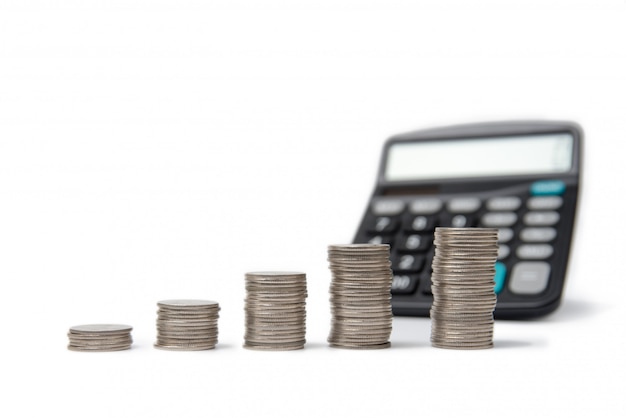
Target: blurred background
[(160, 149)]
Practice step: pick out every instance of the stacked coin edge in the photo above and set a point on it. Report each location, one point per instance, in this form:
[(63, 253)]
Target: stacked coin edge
[(463, 288), (100, 337), (275, 310), (187, 324), (360, 296)]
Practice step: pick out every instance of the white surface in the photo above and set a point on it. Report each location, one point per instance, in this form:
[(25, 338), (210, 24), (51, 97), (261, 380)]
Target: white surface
[(153, 150)]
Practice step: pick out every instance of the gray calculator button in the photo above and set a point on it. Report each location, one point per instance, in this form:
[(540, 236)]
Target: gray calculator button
[(538, 234), (413, 242), (541, 218), (406, 262), (464, 205), (425, 206), (544, 202), (529, 277), (505, 234), (458, 221), (534, 251), (503, 251), (387, 207), (507, 203), (419, 223), (382, 223), (403, 283), (499, 219), (377, 240)]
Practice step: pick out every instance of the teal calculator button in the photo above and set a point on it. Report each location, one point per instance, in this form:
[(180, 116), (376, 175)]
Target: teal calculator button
[(547, 188), (499, 277)]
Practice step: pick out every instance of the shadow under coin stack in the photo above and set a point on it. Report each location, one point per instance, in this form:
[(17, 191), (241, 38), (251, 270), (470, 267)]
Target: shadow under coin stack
[(360, 296), (100, 337), (275, 308), (463, 288), (187, 324)]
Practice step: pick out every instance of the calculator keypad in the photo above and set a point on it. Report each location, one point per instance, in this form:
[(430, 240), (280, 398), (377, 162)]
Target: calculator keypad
[(527, 230)]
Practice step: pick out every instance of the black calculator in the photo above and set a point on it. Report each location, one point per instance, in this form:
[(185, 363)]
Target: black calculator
[(519, 177)]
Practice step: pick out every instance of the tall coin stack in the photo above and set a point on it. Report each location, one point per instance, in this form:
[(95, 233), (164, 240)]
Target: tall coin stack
[(463, 288), (360, 296), (100, 337), (187, 324), (275, 309)]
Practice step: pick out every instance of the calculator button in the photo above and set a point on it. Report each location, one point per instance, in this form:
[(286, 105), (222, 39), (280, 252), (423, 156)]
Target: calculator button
[(403, 284), (544, 202), (547, 188), (534, 251), (529, 278), (464, 205), (503, 251), (409, 262), (459, 221), (541, 218), (380, 239), (505, 234), (387, 207), (425, 206), (537, 234), (499, 219), (384, 224), (415, 242), (422, 223), (507, 203), (499, 277)]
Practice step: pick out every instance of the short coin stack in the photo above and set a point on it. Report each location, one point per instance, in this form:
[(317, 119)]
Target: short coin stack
[(463, 288), (187, 324), (275, 309), (100, 337), (360, 296)]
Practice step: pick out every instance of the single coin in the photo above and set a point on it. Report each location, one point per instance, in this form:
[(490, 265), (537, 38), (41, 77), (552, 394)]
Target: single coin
[(100, 329)]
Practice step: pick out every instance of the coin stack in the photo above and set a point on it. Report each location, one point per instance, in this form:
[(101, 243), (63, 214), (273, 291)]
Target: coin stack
[(100, 337), (275, 309), (360, 296), (463, 288), (187, 324)]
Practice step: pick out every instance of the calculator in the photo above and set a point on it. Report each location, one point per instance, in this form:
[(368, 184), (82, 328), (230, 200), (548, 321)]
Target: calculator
[(520, 177)]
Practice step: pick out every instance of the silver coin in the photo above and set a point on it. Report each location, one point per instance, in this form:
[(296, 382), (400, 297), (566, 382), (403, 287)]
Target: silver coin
[(361, 346), (360, 335), (373, 324), (275, 274), (98, 337), (273, 347), (187, 334), (189, 347), (343, 338), (99, 349), (288, 300), (186, 317), (100, 329), (83, 340), (187, 304), (191, 326), (359, 247)]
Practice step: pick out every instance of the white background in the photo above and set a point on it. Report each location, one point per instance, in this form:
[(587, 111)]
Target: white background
[(161, 149)]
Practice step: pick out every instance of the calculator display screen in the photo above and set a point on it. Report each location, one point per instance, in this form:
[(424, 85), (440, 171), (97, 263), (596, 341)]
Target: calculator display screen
[(478, 157)]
